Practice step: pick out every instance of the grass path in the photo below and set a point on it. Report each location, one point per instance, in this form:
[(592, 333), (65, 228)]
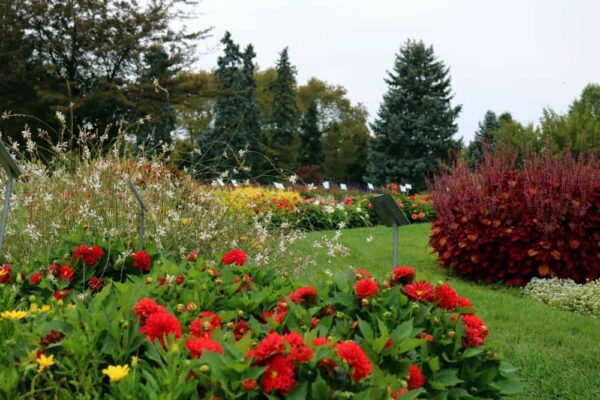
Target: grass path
[(558, 352)]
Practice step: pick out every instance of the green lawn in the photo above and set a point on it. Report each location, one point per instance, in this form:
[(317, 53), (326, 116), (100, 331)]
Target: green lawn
[(558, 352)]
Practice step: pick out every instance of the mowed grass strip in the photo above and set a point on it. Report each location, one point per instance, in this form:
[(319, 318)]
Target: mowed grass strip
[(557, 352)]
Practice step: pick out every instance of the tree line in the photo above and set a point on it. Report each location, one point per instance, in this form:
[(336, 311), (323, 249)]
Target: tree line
[(119, 66)]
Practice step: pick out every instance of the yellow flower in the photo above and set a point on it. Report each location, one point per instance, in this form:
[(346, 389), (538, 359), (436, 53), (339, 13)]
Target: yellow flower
[(116, 372), (19, 278), (13, 314), (186, 221), (134, 361), (45, 361)]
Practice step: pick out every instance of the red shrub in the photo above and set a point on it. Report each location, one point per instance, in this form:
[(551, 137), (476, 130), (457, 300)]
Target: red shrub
[(309, 174), (512, 222)]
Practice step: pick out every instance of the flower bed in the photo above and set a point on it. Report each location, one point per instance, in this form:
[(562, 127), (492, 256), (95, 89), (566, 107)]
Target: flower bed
[(230, 329), (566, 294)]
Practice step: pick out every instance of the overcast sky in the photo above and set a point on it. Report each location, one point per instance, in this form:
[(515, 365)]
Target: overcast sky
[(510, 55)]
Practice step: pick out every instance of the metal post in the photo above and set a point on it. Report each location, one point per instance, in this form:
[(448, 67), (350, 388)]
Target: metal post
[(141, 215), (7, 195), (395, 245)]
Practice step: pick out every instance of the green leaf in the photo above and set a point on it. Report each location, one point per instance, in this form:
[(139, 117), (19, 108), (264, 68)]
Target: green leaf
[(434, 364), (298, 392), (509, 387), (366, 331), (446, 377), (409, 344), (472, 352)]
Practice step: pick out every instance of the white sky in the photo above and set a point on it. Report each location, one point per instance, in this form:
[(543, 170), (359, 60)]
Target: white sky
[(509, 55)]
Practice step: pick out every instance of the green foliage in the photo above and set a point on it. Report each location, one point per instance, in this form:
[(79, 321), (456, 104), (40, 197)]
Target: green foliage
[(416, 121), (484, 137), (578, 130), (88, 58), (311, 148)]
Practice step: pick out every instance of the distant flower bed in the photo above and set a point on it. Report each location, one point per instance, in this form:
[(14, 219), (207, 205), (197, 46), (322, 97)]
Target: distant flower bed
[(231, 329), (566, 294), (316, 209)]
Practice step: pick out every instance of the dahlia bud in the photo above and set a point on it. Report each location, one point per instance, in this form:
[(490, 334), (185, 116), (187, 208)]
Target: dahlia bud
[(125, 325), (451, 334), (436, 320), (359, 276), (206, 326), (404, 384), (241, 313), (148, 280), (158, 262), (32, 298), (484, 328), (210, 271), (283, 304), (191, 306), (339, 314), (180, 308), (230, 325), (218, 282), (364, 302), (354, 325), (204, 369), (130, 243), (387, 284)]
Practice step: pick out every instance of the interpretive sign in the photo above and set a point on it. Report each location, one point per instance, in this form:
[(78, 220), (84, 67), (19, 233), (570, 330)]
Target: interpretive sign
[(387, 209)]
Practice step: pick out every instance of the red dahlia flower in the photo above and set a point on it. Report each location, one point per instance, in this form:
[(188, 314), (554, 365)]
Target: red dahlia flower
[(305, 294), (35, 278), (161, 324), (366, 288), (146, 307), (95, 284), (403, 275), (193, 256), (240, 329), (446, 297), (53, 269), (420, 291), (299, 351), (415, 377), (476, 331), (196, 345), (280, 375), (60, 295), (362, 273), (66, 272), (356, 358), (205, 325), (89, 255), (235, 256), (249, 384), (320, 341), (5, 273), (464, 302), (142, 260)]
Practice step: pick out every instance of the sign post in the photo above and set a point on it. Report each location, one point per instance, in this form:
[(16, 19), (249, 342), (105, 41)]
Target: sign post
[(386, 208), (12, 172), (141, 217)]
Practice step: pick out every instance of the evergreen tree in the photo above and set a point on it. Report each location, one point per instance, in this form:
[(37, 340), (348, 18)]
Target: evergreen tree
[(416, 121), (220, 144), (250, 127), (484, 136), (284, 113), (311, 150)]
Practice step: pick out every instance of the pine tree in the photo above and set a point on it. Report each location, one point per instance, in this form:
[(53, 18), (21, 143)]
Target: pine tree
[(416, 121), (311, 150), (284, 113), (250, 127), (484, 136), (221, 144)]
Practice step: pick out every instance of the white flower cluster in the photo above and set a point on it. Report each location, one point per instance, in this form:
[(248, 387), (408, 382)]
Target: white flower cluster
[(566, 294)]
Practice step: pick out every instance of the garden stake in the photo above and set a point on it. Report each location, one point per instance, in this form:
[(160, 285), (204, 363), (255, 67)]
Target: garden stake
[(141, 217), (12, 171), (395, 257)]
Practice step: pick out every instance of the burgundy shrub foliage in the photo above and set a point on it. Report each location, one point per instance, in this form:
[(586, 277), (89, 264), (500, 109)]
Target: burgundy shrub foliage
[(511, 220)]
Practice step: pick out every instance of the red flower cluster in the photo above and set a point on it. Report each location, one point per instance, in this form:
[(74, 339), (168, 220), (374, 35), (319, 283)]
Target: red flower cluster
[(5, 273), (35, 278), (305, 294), (195, 346), (278, 353), (61, 294), (161, 324), (446, 297), (145, 308), (403, 275), (420, 291), (476, 331), (362, 273), (89, 255), (415, 377), (95, 284), (205, 325), (142, 260), (235, 256), (356, 358), (65, 272), (366, 288)]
